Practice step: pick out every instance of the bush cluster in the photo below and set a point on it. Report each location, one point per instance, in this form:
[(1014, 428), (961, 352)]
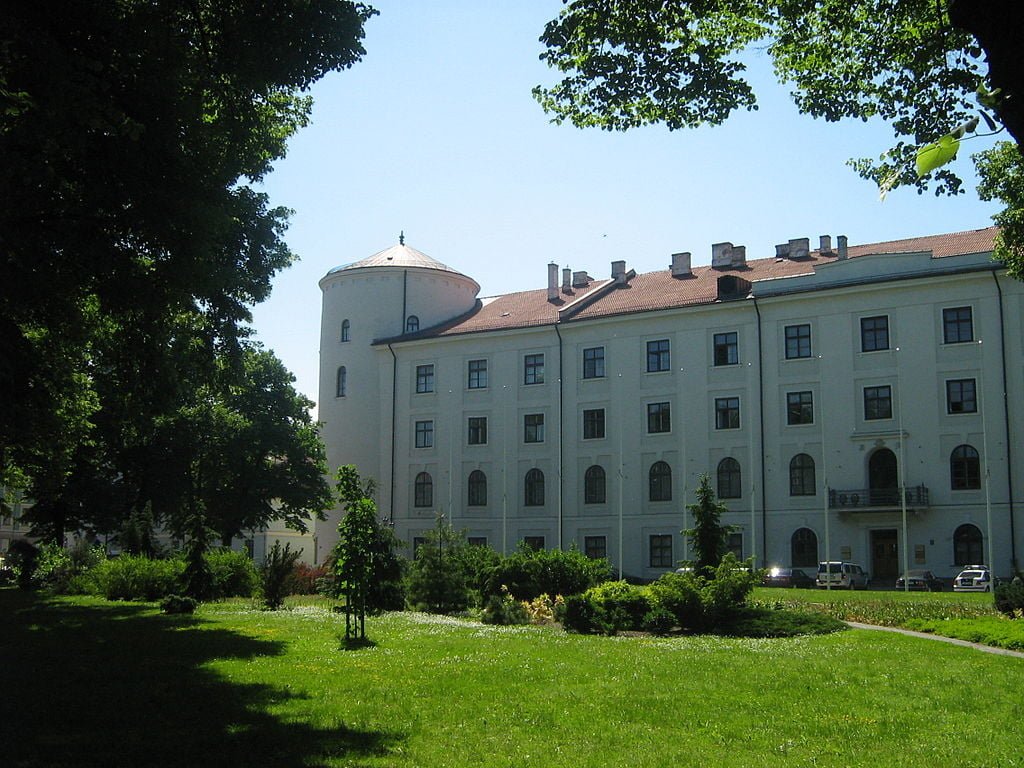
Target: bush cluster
[(688, 601), (135, 577), (1010, 597), (529, 573)]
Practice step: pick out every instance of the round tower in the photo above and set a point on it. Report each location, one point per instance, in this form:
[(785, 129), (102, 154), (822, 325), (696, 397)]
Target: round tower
[(398, 292)]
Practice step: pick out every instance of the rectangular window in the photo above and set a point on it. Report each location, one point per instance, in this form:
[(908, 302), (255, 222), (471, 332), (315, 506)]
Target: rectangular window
[(477, 374), (961, 396), (661, 551), (593, 424), (417, 542), (533, 369), (478, 430), (735, 545), (799, 408), (659, 418), (534, 542), (658, 358), (877, 403), (533, 428), (424, 378), (593, 363), (476, 541), (727, 413), (595, 547), (874, 333), (798, 341), (424, 434), (957, 325), (727, 348)]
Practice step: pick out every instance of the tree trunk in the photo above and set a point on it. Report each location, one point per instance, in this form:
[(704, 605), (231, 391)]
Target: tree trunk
[(997, 24)]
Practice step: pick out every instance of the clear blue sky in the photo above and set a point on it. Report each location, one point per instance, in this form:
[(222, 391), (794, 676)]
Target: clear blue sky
[(436, 133)]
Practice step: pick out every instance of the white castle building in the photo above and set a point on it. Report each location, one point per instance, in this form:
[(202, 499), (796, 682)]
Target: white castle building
[(856, 402)]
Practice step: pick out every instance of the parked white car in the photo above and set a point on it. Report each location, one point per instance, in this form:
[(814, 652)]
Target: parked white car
[(973, 578), (838, 574)]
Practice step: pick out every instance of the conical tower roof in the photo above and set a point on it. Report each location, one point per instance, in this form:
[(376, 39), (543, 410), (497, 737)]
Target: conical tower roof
[(401, 256)]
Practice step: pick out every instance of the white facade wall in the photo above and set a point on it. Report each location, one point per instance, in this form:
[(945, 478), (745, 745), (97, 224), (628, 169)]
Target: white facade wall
[(910, 291)]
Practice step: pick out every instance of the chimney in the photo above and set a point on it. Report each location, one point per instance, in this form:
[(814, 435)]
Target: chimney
[(619, 271), (799, 248), (681, 264), (721, 255), (739, 256), (580, 279), (782, 251), (825, 244), (841, 246), (552, 281), (566, 280)]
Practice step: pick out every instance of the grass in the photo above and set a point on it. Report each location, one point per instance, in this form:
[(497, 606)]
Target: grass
[(90, 683)]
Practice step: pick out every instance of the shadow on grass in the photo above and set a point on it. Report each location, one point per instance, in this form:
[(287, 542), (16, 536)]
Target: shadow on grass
[(116, 685)]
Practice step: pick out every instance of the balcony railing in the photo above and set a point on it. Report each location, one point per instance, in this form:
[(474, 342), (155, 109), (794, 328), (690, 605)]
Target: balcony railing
[(876, 498)]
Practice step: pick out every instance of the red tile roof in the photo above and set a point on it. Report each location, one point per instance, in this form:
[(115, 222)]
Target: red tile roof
[(659, 290)]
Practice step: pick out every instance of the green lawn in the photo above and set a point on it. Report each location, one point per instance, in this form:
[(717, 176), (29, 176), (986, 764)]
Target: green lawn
[(90, 683)]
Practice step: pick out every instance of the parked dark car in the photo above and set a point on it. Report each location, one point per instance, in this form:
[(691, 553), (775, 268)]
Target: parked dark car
[(787, 577), (920, 581)]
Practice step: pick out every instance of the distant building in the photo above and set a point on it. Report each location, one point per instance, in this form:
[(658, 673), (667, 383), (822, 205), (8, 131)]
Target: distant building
[(829, 392)]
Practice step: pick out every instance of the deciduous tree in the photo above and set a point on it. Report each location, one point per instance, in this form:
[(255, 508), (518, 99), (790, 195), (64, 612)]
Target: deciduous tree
[(925, 66)]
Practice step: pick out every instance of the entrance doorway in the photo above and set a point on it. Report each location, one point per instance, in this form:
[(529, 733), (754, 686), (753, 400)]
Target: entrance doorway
[(885, 558)]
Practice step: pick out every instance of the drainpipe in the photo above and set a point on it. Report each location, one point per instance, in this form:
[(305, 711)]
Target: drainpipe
[(760, 395), (1006, 421), (394, 402), (561, 441)]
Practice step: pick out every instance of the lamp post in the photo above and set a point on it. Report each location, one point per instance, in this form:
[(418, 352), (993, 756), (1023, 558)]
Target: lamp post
[(984, 453), (824, 478), (622, 479), (902, 475)]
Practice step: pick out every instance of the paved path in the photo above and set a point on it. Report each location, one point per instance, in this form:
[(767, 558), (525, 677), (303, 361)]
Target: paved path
[(940, 638)]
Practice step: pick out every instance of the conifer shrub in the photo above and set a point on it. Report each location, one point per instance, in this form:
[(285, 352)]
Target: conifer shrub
[(178, 604), (1009, 597), (277, 567), (504, 609)]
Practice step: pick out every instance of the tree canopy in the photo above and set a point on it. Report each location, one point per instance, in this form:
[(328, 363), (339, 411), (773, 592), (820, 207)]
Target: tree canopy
[(133, 244), (925, 66)]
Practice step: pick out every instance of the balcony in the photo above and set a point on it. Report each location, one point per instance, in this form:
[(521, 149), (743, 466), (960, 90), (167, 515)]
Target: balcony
[(877, 499)]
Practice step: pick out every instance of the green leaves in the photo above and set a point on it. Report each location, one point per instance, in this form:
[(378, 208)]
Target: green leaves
[(936, 154)]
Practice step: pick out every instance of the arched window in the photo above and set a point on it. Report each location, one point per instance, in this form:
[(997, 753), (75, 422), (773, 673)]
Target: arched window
[(345, 330), (964, 468), (412, 324), (593, 485), (423, 495), (477, 489), (967, 545), (801, 476), (342, 382), (729, 482), (534, 488), (660, 482), (803, 548)]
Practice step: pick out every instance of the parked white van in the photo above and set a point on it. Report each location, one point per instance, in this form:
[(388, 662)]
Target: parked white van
[(838, 574)]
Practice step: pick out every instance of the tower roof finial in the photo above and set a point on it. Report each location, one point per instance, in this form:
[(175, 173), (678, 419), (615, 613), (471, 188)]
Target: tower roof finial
[(401, 237)]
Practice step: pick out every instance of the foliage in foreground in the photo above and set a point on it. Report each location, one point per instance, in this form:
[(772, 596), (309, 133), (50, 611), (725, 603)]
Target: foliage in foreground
[(491, 696)]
